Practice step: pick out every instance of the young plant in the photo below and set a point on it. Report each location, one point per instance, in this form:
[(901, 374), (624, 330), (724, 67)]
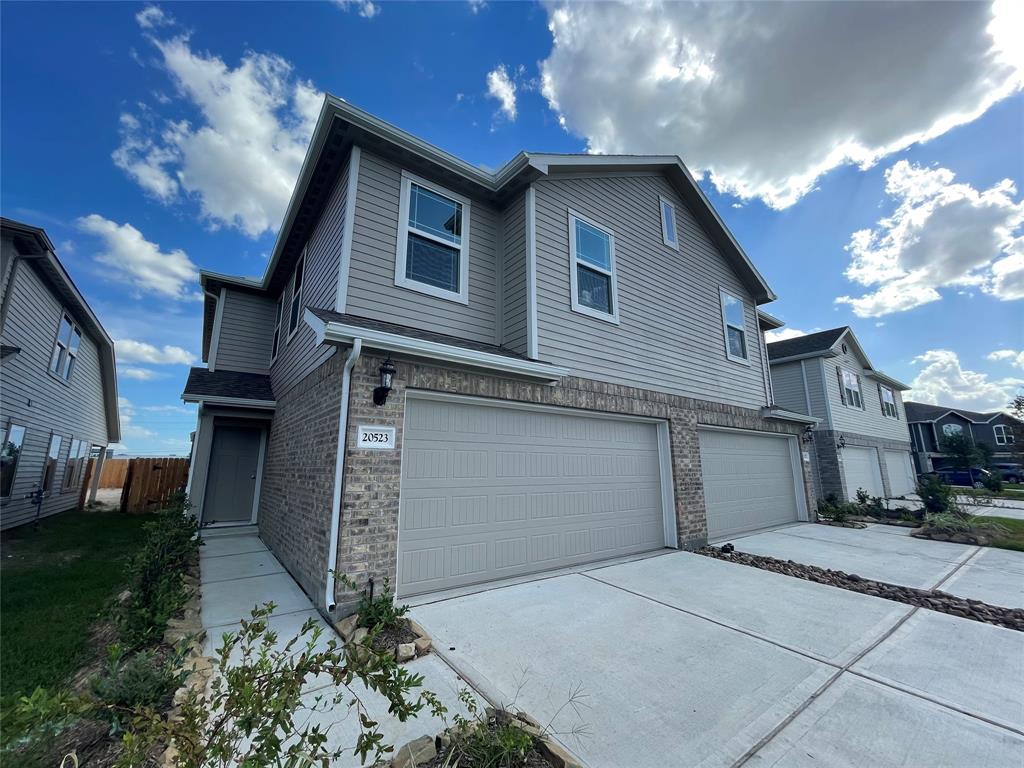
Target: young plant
[(936, 495), (955, 522), (138, 680), (380, 612)]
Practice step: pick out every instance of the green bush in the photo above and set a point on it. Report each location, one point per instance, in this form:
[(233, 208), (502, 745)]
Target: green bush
[(488, 739), (994, 481), (138, 680), (959, 522), (155, 575), (830, 508), (380, 612), (936, 495)]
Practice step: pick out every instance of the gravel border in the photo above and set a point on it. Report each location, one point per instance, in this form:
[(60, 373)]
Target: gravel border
[(933, 599)]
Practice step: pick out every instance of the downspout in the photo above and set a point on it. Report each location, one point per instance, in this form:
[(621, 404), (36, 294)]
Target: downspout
[(339, 469)]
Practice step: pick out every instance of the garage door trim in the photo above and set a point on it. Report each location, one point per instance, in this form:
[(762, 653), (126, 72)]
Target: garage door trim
[(794, 459), (668, 505)]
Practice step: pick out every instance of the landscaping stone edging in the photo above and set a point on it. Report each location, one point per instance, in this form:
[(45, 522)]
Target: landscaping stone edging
[(976, 610), (352, 635), (844, 524), (959, 537)]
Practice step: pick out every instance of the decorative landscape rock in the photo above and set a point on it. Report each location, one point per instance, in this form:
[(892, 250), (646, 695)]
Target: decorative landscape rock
[(836, 524), (405, 652), (347, 626), (1011, 618), (415, 753), (977, 539)]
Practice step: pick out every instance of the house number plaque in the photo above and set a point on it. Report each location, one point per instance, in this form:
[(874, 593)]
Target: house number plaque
[(375, 438)]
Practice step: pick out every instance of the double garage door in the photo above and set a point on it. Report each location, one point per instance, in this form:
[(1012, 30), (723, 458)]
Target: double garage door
[(861, 470)]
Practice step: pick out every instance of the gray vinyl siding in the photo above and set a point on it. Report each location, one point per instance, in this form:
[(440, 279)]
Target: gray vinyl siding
[(670, 335), (40, 402), (788, 387), (246, 332), (301, 354), (985, 433), (513, 284), (869, 421), (816, 389), (934, 434), (372, 291)]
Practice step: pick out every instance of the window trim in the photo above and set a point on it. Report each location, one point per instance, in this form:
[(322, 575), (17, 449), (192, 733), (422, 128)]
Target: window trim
[(843, 388), (958, 429), (47, 459), (882, 389), (462, 295), (722, 293), (75, 327), (1006, 433), (291, 298), (17, 462), (73, 474), (671, 242), (275, 348), (574, 263)]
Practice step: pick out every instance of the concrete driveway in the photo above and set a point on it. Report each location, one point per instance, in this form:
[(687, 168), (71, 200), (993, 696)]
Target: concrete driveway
[(686, 660)]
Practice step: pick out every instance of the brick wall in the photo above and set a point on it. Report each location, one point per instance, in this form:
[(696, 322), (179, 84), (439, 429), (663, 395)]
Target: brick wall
[(370, 502), (829, 464)]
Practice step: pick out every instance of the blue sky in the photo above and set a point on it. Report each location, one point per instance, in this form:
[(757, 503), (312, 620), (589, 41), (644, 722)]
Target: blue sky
[(151, 141)]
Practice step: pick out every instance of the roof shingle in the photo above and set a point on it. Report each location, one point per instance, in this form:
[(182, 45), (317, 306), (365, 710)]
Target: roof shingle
[(821, 341), (237, 384)]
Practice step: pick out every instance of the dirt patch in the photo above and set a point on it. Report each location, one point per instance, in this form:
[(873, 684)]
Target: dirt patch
[(388, 639)]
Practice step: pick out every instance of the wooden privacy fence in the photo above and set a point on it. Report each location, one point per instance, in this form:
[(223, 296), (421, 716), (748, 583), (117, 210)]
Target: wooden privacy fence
[(113, 473), (149, 483)]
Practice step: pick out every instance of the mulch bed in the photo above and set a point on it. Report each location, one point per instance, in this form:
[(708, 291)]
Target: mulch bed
[(1011, 618), (535, 758), (388, 640)]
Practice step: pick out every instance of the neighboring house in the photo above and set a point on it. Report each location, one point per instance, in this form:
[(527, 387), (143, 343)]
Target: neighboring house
[(930, 423), (578, 372), (862, 439), (58, 404)]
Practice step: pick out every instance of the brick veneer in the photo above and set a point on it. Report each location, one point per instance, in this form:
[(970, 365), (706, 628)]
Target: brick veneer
[(370, 502)]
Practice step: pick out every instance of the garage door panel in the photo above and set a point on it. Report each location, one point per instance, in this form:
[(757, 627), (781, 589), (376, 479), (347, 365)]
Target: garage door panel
[(861, 470), (748, 482), (490, 492), (900, 468)]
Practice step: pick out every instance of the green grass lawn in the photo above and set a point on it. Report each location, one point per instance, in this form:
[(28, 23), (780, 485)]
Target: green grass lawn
[(54, 583), (1014, 538)]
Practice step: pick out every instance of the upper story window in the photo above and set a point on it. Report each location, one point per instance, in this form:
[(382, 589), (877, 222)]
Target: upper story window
[(1004, 435), (279, 312), (594, 287), (433, 241), (888, 402), (10, 452), (295, 309), (849, 389), (734, 321), (951, 430), (668, 224), (65, 348), (50, 467)]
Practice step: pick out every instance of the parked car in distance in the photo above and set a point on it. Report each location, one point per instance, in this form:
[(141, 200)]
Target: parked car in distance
[(1011, 473), (972, 478)]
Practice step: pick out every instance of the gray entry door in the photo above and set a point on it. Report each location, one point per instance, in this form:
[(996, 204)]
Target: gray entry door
[(231, 484), (490, 491)]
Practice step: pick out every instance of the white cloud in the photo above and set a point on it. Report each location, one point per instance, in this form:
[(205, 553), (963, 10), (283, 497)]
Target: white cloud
[(477, 5), (66, 247), (241, 158), (130, 351), (781, 334), (153, 16), (1011, 356), (130, 258), (943, 381), (767, 97), (942, 234), (365, 8), (501, 87), (129, 429), (139, 374)]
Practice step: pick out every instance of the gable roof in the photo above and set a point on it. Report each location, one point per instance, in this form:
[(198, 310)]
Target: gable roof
[(342, 126), (204, 384), (33, 244), (805, 346), (927, 412)]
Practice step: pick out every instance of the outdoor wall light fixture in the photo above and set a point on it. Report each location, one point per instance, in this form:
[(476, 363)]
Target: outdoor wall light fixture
[(808, 436), (387, 375), (841, 443)]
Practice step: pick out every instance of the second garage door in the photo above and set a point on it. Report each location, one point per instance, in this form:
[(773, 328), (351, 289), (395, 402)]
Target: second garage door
[(861, 470), (749, 481), (492, 491), (901, 472)]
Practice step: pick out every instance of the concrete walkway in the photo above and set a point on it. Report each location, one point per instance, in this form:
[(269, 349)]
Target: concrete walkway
[(686, 660), (239, 573)]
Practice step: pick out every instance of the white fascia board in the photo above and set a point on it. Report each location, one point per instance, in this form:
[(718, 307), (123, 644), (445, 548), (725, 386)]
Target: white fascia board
[(239, 402), (805, 356), (879, 376), (393, 342), (784, 415)]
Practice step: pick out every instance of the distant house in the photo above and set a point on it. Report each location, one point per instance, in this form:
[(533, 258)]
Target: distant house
[(57, 376), (930, 423), (862, 438)]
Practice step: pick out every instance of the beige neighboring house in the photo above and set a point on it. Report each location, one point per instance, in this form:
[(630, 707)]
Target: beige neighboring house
[(449, 376), (58, 383)]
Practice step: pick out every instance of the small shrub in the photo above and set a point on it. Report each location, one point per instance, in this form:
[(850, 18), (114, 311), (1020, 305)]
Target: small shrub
[(380, 612), (994, 481), (138, 680), (830, 508), (936, 495), (957, 522), (488, 741)]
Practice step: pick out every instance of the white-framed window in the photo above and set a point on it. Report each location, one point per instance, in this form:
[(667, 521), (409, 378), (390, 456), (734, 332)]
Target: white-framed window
[(849, 389), (295, 308), (65, 348), (1004, 435), (668, 224), (278, 315), (734, 324), (888, 397), (10, 452), (949, 430), (433, 240), (594, 285), (50, 467), (75, 464)]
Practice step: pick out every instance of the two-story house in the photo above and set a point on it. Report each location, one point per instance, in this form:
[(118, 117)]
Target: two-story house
[(58, 387), (448, 376), (929, 424), (862, 440)]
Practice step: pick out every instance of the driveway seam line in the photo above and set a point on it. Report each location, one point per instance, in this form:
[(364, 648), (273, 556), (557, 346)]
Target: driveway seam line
[(243, 578), (858, 546), (231, 554), (961, 564), (245, 618)]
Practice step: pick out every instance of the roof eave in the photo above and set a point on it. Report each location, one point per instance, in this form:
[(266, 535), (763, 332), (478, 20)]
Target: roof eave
[(804, 356), (889, 380)]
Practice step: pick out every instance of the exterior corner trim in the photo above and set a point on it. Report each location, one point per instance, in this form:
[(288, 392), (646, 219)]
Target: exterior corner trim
[(532, 338), (348, 228)]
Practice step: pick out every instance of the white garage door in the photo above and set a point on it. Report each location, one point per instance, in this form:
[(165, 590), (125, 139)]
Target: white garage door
[(861, 470), (490, 491), (900, 469), (748, 481)]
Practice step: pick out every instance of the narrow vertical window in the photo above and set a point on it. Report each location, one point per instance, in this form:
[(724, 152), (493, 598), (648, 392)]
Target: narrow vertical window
[(888, 402), (734, 322), (668, 224), (65, 348), (592, 265), (10, 452), (295, 309), (50, 468), (73, 465), (850, 389), (277, 326)]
